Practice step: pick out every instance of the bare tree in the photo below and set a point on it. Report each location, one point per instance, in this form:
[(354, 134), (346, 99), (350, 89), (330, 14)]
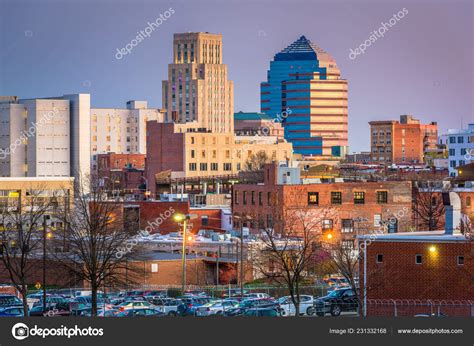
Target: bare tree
[(21, 237), (255, 162), (428, 207), (290, 246), (98, 243)]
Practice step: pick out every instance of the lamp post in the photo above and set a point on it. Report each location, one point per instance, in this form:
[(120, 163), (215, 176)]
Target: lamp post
[(184, 219), (45, 234)]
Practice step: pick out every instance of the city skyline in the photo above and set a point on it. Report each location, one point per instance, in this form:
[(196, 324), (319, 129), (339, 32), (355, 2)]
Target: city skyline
[(383, 84)]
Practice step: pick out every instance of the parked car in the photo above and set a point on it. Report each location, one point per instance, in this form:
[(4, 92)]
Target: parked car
[(247, 304), (289, 309), (189, 305), (216, 307), (234, 292), (336, 302), (155, 294), (137, 312), (102, 313), (262, 312), (169, 306), (7, 300), (14, 311), (135, 304), (257, 295)]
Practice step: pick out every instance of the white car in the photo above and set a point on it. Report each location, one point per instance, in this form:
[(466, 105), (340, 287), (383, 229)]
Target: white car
[(168, 306), (257, 295), (288, 308), (216, 307)]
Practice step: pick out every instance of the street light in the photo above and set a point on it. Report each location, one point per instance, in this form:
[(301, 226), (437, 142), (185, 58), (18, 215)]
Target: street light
[(242, 218), (184, 219)]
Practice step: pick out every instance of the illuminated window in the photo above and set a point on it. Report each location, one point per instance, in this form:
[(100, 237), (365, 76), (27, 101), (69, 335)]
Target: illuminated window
[(359, 197), (313, 198)]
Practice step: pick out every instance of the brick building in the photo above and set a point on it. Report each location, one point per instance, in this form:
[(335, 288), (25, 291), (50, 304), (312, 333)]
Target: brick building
[(402, 142), (122, 171), (355, 207), (419, 271)]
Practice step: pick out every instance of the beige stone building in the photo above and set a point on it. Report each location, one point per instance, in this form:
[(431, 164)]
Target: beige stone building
[(198, 89)]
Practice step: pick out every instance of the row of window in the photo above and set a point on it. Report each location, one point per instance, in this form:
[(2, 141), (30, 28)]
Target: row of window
[(419, 259), (214, 166), (358, 197)]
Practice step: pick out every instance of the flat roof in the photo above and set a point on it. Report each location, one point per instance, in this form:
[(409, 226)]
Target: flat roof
[(424, 236), (34, 179)]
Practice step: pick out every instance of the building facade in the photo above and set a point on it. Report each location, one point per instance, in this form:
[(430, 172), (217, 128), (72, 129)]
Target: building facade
[(198, 89), (353, 207), (191, 153), (305, 91), (257, 124), (121, 131), (47, 137), (460, 145), (402, 142)]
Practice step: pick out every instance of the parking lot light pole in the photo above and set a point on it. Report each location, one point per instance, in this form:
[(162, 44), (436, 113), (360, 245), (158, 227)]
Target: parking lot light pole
[(184, 219)]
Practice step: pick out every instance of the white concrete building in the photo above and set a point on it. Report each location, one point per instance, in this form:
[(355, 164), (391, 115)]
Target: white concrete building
[(460, 143), (121, 131)]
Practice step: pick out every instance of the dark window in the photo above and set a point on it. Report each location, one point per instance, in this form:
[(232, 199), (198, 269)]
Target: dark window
[(253, 197), (460, 260), (379, 258), (203, 166), (359, 197), (418, 259), (260, 198), (204, 220), (313, 198), (382, 197), (236, 197), (336, 197), (192, 166), (244, 197), (269, 221), (347, 225), (393, 225), (269, 198)]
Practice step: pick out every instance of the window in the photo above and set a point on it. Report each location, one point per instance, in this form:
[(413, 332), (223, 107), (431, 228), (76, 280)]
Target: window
[(382, 197), (236, 197), (192, 166), (377, 220), (192, 140), (214, 167), (227, 166), (204, 220), (460, 139), (379, 258), (347, 226), (260, 198), (359, 197), (468, 201), (460, 260), (452, 140), (393, 225), (418, 259), (244, 197), (269, 221), (269, 198), (313, 198), (336, 197), (203, 166), (327, 224), (253, 197), (192, 154)]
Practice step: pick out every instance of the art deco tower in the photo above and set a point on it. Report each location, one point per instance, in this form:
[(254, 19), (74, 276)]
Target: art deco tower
[(198, 90)]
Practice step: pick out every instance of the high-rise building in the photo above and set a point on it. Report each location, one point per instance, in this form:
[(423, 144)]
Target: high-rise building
[(402, 142), (305, 91), (198, 90), (43, 137), (121, 131)]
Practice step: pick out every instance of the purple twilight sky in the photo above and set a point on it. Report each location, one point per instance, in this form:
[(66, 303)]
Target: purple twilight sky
[(422, 66)]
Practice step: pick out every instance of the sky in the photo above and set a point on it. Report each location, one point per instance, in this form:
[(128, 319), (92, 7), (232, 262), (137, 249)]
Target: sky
[(423, 65)]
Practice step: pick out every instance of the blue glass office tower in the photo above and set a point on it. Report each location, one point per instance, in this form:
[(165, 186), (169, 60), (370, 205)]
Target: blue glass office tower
[(304, 81)]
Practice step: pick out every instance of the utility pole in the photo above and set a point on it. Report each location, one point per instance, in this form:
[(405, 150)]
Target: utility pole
[(44, 263)]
